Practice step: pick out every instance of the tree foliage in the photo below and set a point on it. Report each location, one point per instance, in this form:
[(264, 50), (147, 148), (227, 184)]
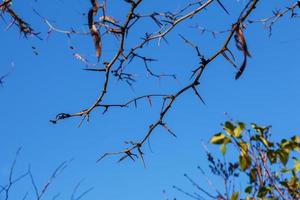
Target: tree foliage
[(271, 169)]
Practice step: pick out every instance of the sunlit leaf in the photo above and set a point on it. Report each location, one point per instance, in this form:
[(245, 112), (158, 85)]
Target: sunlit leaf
[(260, 129), (234, 196), (296, 164), (296, 139), (244, 162), (239, 129), (229, 128), (243, 147), (271, 156), (283, 156), (263, 140), (219, 138)]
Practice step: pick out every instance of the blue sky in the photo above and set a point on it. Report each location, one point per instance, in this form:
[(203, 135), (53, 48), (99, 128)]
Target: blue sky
[(41, 86)]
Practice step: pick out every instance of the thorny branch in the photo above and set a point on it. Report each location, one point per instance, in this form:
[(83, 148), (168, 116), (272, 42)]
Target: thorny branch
[(120, 52), (198, 73), (277, 14), (24, 27), (166, 21)]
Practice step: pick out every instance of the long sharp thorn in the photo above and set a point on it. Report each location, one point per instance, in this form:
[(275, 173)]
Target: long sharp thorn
[(219, 2)]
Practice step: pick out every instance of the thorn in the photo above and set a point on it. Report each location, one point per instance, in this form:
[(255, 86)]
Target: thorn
[(219, 2), (198, 95)]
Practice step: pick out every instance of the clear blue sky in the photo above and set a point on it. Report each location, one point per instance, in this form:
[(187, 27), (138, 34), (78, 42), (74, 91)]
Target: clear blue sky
[(42, 86)]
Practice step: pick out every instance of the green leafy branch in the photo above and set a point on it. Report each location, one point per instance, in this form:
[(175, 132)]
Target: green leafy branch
[(272, 168)]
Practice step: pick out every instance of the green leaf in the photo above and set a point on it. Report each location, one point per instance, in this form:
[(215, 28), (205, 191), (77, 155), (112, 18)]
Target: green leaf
[(217, 138), (226, 140), (295, 143), (262, 192), (229, 128), (239, 129), (285, 145), (244, 161), (271, 156), (234, 131), (264, 141), (293, 183), (295, 139), (259, 129), (243, 146), (296, 164), (283, 156), (234, 196), (248, 189), (285, 170), (284, 183)]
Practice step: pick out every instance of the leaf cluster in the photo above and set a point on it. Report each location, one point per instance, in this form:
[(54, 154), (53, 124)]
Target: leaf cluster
[(272, 168)]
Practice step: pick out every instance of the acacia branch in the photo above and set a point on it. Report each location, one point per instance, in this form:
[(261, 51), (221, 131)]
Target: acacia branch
[(203, 64), (277, 15), (23, 26), (107, 65)]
